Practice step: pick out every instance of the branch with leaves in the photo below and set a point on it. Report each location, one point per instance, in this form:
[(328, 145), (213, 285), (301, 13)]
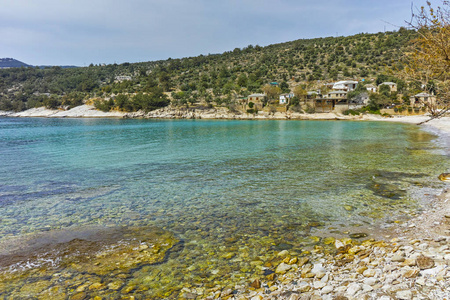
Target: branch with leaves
[(428, 59)]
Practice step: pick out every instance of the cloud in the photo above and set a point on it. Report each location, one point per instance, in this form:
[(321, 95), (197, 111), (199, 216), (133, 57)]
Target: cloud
[(76, 32)]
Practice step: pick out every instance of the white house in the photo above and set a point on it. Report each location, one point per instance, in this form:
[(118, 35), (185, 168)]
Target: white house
[(284, 98), (392, 85), (346, 85), (371, 88)]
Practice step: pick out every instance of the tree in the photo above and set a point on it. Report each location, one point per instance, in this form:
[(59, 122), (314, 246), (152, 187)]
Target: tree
[(358, 94), (151, 101), (164, 80), (377, 101), (51, 102), (123, 103), (429, 56), (300, 93), (284, 86), (242, 80), (272, 91), (72, 100), (384, 90)]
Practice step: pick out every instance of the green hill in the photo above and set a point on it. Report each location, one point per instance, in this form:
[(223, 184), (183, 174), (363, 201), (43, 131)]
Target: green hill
[(6, 63), (215, 79)]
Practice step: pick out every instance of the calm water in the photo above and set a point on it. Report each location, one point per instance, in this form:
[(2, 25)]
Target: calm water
[(218, 186)]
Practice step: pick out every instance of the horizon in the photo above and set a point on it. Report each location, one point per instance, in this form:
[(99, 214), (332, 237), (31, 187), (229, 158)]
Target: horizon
[(85, 32)]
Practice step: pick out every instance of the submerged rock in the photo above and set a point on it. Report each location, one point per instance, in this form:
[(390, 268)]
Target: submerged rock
[(95, 251), (386, 190), (357, 235), (444, 177)]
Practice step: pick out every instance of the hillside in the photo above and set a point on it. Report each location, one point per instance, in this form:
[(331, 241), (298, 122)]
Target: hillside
[(11, 63), (215, 79)]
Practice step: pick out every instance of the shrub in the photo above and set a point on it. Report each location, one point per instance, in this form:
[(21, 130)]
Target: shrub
[(105, 106), (351, 112), (296, 108), (310, 109), (52, 102)]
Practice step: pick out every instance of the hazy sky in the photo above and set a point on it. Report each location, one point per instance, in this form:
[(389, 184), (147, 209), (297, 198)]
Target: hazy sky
[(80, 32)]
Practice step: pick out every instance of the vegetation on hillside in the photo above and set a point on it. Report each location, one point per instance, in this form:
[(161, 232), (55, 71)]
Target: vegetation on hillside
[(216, 79)]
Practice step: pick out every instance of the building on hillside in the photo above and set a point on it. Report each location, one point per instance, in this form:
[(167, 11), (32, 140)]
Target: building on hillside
[(371, 88), (256, 97), (284, 98), (313, 94), (341, 94), (346, 85), (121, 78), (422, 99), (332, 101), (392, 86)]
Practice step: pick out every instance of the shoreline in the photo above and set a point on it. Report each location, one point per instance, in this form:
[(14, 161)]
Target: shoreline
[(220, 113), (88, 111)]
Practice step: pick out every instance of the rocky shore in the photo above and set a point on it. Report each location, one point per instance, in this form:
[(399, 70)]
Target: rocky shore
[(413, 265), (89, 111), (412, 261)]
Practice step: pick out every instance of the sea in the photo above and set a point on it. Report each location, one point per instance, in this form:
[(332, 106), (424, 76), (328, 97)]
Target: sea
[(158, 209)]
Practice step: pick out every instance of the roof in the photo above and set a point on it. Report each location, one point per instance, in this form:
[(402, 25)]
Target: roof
[(343, 84), (388, 83), (423, 94), (346, 82), (257, 95)]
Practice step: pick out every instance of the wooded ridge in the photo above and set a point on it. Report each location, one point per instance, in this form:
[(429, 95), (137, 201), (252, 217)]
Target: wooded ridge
[(214, 80)]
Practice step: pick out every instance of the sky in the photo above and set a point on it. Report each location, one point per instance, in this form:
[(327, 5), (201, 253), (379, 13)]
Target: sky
[(81, 32)]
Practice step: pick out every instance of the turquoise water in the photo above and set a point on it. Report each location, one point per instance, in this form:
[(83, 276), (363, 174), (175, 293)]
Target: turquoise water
[(260, 184)]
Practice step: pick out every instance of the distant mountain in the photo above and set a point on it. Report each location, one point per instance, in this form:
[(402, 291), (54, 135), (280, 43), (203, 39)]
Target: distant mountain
[(6, 63), (11, 63)]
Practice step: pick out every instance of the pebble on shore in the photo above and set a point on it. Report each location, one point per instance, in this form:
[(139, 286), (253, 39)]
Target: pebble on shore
[(414, 265)]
